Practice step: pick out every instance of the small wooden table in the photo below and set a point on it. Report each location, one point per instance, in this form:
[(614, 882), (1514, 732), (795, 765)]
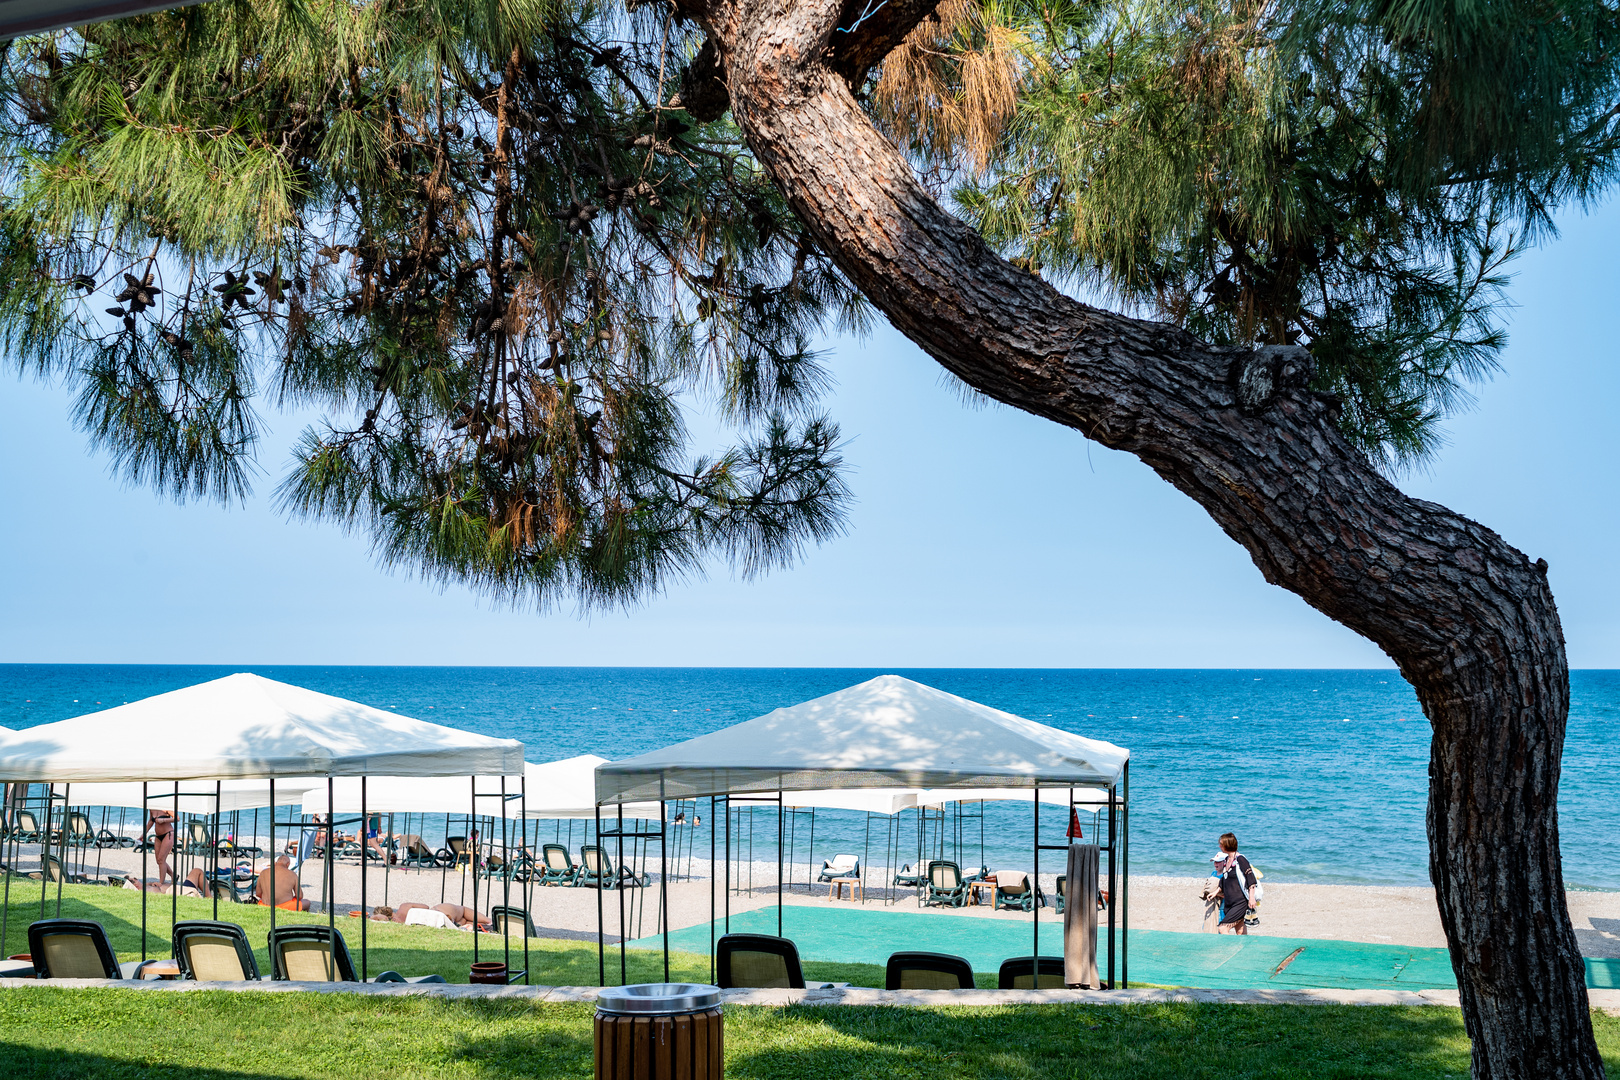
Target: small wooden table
[(835, 888), (161, 969), (981, 892)]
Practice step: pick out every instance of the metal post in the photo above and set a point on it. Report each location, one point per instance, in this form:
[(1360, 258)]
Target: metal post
[(272, 868), (601, 916), (728, 863), (331, 885), (365, 912), (147, 812), (1035, 891), (213, 876), (174, 880), (1125, 878), (663, 869), (779, 863), (618, 883), (472, 860), (61, 867), (714, 879), (1113, 838)]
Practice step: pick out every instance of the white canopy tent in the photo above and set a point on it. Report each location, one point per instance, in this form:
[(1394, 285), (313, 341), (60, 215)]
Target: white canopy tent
[(886, 732), (553, 789), (247, 727), (860, 800), (237, 731), (886, 745)]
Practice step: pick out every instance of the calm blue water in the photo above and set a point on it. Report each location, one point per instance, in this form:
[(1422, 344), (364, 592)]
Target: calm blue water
[(1322, 774)]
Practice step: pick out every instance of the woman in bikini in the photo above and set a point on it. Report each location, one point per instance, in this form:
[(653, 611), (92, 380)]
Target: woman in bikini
[(161, 822)]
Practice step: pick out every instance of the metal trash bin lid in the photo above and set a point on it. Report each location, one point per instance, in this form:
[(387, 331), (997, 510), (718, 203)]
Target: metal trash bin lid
[(657, 999)]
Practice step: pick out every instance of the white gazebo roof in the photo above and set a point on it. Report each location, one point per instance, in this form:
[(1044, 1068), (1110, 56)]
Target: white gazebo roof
[(247, 727), (555, 789), (884, 733), (195, 797)]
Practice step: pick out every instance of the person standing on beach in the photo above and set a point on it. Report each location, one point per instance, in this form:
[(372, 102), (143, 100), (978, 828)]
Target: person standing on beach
[(161, 825), (1237, 886)]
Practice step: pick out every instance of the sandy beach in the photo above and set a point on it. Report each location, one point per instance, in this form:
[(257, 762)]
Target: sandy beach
[(1375, 914)]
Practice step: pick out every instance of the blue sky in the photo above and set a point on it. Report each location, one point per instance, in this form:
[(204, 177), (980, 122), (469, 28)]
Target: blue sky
[(982, 537)]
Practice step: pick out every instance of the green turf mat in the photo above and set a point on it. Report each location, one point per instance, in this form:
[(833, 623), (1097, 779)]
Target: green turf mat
[(857, 935)]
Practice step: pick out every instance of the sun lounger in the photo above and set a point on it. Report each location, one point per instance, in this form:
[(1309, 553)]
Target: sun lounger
[(906, 879), (758, 961), (198, 841), (510, 920), (54, 871), (596, 870), (927, 971), (1018, 973), (25, 828), (945, 885), (557, 866), (418, 854), (1013, 890), (80, 833), (314, 953), (1057, 902), (77, 949), (840, 866), (209, 951)]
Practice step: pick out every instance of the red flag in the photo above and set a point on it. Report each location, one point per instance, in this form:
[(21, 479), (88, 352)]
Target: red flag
[(1074, 825)]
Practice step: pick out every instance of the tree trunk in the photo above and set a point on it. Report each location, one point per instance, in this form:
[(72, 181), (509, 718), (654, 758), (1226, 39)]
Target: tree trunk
[(1469, 619)]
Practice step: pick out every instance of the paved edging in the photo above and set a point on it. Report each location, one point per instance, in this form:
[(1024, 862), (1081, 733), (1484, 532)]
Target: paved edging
[(1607, 1000)]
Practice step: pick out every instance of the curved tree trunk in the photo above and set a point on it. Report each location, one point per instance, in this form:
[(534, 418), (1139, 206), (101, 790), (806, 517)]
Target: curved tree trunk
[(1469, 619)]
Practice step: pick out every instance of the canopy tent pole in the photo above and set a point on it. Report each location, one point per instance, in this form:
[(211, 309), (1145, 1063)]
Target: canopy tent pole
[(714, 879), (1113, 838), (1124, 878), (213, 878), (45, 849), (1035, 891), (274, 855), (331, 884), (146, 812), (528, 875), (365, 912), (601, 915), (728, 862), (779, 821), (9, 846), (61, 858), (618, 874), (174, 853), (472, 863), (663, 869)]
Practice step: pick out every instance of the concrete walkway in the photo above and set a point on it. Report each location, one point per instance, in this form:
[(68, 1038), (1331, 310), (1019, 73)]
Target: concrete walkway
[(1606, 1000)]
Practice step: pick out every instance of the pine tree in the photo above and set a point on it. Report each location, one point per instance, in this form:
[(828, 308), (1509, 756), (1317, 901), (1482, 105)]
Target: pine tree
[(482, 239), (1343, 178)]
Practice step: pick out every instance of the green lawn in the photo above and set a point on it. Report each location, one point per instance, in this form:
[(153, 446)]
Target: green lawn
[(103, 1034), (51, 1034), (410, 950)]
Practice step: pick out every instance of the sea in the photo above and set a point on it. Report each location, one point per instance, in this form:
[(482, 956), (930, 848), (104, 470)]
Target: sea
[(1321, 774)]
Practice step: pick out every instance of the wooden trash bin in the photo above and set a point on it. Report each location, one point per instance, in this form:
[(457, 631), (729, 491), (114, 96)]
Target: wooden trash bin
[(659, 1031)]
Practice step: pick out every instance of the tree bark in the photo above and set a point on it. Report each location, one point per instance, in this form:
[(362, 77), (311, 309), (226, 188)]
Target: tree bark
[(1469, 620)]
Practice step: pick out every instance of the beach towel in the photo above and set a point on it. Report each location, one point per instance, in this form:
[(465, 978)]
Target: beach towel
[(429, 917)]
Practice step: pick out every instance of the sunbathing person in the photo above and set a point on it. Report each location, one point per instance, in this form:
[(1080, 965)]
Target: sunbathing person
[(278, 885), (194, 885), (458, 914)]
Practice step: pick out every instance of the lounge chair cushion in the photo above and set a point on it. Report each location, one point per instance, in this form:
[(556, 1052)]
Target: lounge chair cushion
[(308, 961), (73, 956), (213, 958), (759, 969), (922, 979)]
